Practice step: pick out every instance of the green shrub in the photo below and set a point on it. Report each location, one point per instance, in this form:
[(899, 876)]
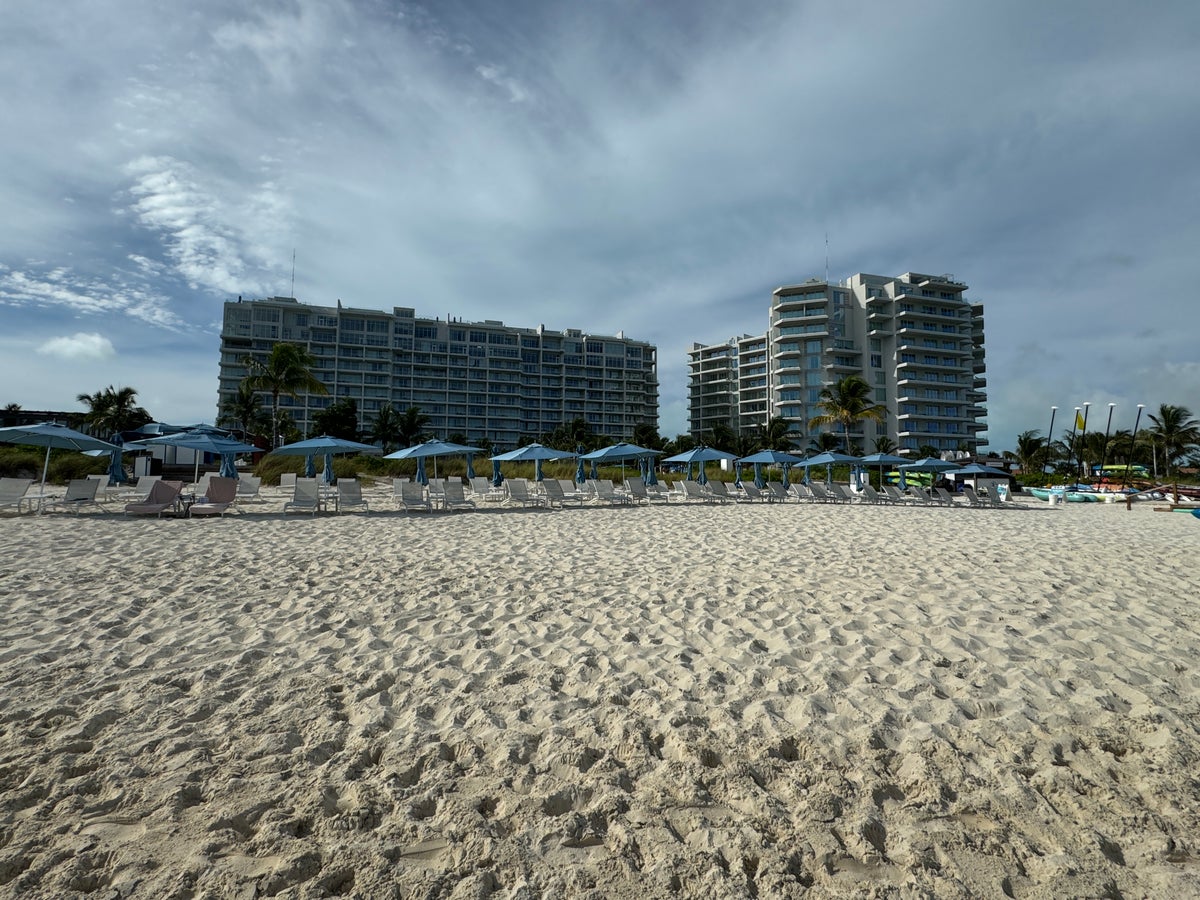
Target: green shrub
[(27, 462)]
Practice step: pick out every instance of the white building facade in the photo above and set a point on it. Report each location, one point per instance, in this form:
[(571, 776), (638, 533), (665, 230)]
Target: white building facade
[(914, 338), (475, 379)]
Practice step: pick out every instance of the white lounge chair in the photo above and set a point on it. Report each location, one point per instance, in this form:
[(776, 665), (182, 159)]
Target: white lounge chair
[(248, 489), (12, 492), (81, 492), (454, 496), (306, 497), (973, 499), (895, 494), (217, 499), (483, 489), (778, 492), (518, 492), (349, 495), (163, 495), (719, 491), (694, 490), (287, 482), (607, 493), (140, 490), (412, 496)]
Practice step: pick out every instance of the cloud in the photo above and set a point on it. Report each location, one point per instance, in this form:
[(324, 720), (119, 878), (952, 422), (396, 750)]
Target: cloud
[(79, 346)]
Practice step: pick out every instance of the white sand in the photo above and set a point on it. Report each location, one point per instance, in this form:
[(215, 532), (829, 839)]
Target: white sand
[(668, 702)]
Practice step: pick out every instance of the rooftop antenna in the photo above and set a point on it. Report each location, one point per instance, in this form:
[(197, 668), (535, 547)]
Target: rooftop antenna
[(293, 293), (827, 257)]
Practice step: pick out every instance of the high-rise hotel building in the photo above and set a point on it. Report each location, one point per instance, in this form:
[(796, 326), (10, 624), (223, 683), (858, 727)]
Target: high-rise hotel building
[(475, 379), (915, 339)]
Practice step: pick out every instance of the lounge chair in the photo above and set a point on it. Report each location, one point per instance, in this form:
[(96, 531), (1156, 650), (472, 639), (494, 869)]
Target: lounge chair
[(518, 492), (248, 488), (607, 493), (872, 496), (163, 495), (412, 496), (973, 499), (200, 488), (217, 498), (572, 492), (306, 497), (719, 491), (349, 495), (483, 489), (921, 496), (287, 482), (751, 494), (637, 489), (81, 492), (454, 496), (556, 494), (778, 492), (894, 493), (141, 489), (12, 492), (693, 490), (946, 498)]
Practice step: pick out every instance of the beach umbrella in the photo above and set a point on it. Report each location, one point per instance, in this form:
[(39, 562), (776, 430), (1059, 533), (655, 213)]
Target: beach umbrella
[(651, 477), (228, 468), (535, 452), (580, 474), (928, 464), (198, 440), (327, 472), (51, 435), (322, 445), (619, 452), (421, 476), (772, 458), (978, 469), (432, 449), (786, 469), (759, 480), (310, 466), (116, 470), (828, 459), (497, 475), (883, 460), (470, 466), (701, 455)]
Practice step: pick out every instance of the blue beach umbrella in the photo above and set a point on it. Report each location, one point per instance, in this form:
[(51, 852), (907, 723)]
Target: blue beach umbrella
[(786, 471), (327, 472), (580, 474), (421, 476), (228, 469), (828, 459), (759, 480), (497, 475), (433, 449), (310, 466), (202, 439), (51, 434), (116, 470), (537, 470), (651, 477), (595, 472), (882, 460), (470, 465)]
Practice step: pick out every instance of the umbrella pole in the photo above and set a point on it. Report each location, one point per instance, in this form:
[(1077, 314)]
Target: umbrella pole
[(45, 470)]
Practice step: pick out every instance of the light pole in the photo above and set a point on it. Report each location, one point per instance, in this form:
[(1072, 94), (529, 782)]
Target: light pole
[(1071, 445), (1049, 439), (1133, 443), (1104, 451), (1083, 438)]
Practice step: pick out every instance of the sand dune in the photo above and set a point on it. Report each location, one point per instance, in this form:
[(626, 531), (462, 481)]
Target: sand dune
[(769, 701)]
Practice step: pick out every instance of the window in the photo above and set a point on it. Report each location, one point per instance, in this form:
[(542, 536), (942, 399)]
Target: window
[(877, 361)]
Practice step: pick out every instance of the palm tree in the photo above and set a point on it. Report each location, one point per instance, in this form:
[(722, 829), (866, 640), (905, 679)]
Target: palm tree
[(779, 434), (1030, 451), (386, 428), (1176, 432), (723, 437), (823, 441), (287, 371), (244, 410), (847, 403), (884, 444), (113, 409), (411, 425)]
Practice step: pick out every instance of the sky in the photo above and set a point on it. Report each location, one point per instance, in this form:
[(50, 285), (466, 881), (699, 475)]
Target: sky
[(656, 168)]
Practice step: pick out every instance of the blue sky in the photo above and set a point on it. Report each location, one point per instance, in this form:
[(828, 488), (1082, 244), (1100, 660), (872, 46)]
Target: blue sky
[(651, 167)]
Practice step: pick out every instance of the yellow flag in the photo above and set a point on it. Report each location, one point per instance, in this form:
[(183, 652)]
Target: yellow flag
[(1079, 423)]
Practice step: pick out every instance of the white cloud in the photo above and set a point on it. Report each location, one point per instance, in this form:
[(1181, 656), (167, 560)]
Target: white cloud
[(79, 346)]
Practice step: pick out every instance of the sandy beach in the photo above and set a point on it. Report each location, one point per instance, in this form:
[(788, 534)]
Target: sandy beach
[(676, 702)]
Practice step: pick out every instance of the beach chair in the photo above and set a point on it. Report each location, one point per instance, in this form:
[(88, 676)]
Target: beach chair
[(992, 498), (163, 495), (873, 497), (606, 492), (287, 482), (349, 495), (571, 491), (306, 497), (518, 492), (895, 495), (556, 494), (751, 494), (12, 492), (945, 497), (841, 493), (920, 495), (81, 492), (200, 488), (776, 492), (973, 499), (217, 498), (820, 495), (693, 491), (454, 496), (636, 488), (719, 491), (412, 497), (483, 489), (248, 487), (141, 489)]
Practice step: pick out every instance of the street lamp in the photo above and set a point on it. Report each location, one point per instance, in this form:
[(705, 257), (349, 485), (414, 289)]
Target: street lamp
[(1049, 439), (1071, 445), (1133, 443), (1104, 451), (1083, 438)]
